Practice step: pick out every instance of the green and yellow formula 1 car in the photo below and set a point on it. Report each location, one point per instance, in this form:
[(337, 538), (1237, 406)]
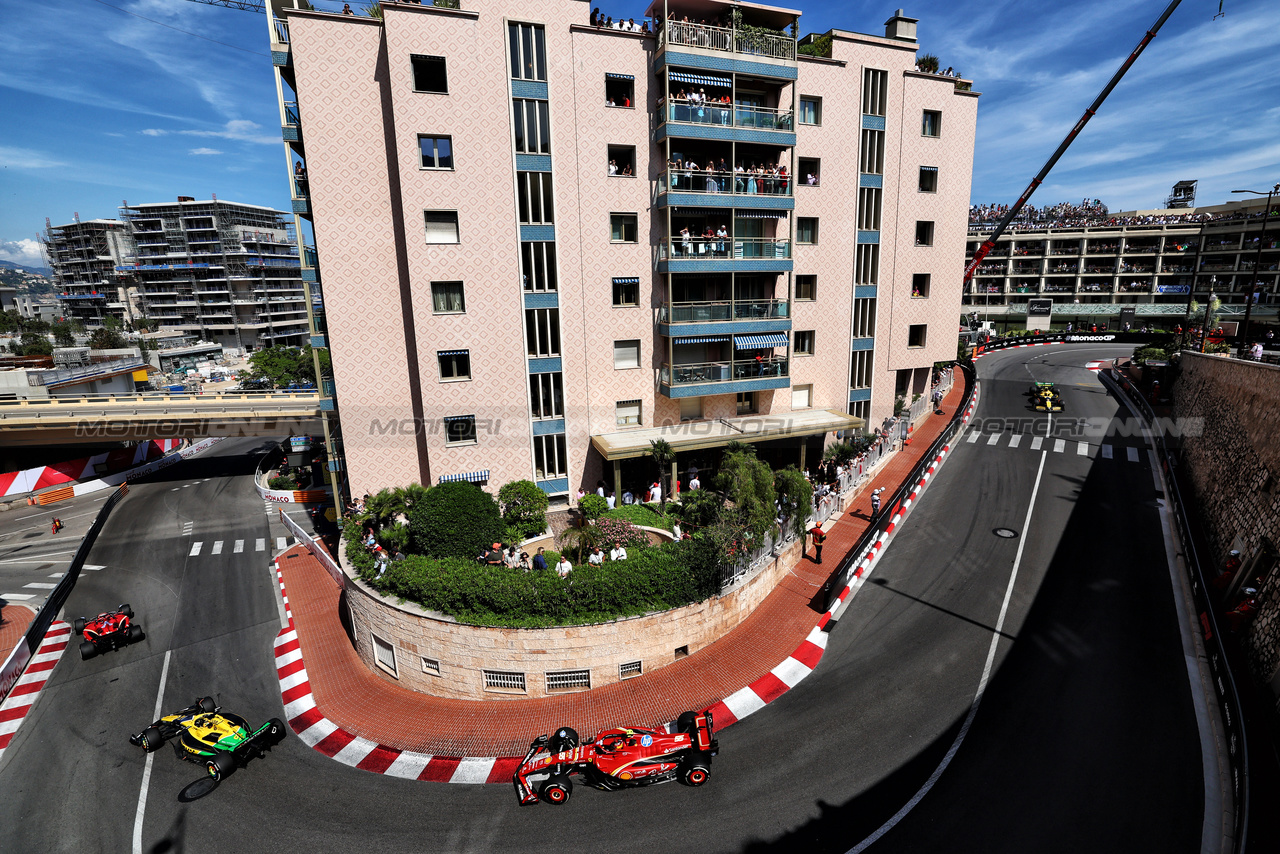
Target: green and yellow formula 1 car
[(206, 735), (1045, 397)]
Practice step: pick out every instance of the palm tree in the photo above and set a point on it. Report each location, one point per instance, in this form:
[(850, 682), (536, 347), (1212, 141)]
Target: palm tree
[(581, 536), (663, 455)]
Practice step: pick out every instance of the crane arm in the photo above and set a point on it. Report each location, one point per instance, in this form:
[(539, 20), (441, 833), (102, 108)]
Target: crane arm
[(246, 5)]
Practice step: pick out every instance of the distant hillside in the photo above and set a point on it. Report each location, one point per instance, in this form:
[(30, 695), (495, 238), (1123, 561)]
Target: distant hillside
[(39, 271)]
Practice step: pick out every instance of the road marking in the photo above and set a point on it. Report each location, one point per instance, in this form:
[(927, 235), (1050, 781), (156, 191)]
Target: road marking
[(1133, 454), (39, 585), (260, 545), (1015, 440), (217, 548), (93, 567), (982, 684), (1059, 445), (175, 489), (17, 597), (238, 547), (1082, 449), (1106, 452), (281, 544), (56, 574), (185, 485), (39, 558), (973, 437), (1036, 442), (995, 437), (195, 549), (146, 772)]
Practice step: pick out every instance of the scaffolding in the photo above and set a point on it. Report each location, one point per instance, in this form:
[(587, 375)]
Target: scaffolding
[(1183, 195)]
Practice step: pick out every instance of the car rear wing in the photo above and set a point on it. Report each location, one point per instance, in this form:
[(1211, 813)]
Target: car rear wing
[(705, 728)]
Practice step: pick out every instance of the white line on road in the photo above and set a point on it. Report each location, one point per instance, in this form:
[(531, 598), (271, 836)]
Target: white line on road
[(1133, 454), (17, 597), (982, 684), (238, 547), (1015, 440), (217, 548), (195, 549), (1082, 449), (56, 574), (1036, 442), (281, 544), (39, 585), (93, 567), (146, 772), (995, 437), (260, 545), (1106, 452), (35, 558), (973, 436), (1059, 445)]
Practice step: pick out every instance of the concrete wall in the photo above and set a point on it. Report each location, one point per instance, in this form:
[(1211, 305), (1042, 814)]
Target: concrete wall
[(1235, 470), (463, 652)]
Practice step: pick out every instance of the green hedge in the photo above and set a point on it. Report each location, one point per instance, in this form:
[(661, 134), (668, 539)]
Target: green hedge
[(641, 514)]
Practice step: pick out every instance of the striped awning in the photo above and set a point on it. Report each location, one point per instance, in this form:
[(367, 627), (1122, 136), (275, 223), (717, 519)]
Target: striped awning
[(747, 214), (698, 79), (755, 342), (679, 211), (626, 280), (471, 476), (928, 168), (701, 339), (452, 352), (616, 76)]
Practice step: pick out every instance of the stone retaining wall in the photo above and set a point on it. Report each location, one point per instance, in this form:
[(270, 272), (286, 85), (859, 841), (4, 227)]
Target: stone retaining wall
[(1234, 467)]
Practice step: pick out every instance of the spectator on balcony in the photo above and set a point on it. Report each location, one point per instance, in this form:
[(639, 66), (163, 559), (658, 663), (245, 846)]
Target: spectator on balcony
[(346, 9), (595, 17), (686, 248), (613, 165), (712, 186), (739, 178), (722, 236)]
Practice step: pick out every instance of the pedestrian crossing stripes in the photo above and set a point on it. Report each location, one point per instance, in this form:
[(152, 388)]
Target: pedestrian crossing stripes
[(216, 547), (238, 547), (187, 528), (1133, 454), (259, 545), (281, 544), (195, 549), (1036, 442), (1106, 452), (40, 585), (1058, 446)]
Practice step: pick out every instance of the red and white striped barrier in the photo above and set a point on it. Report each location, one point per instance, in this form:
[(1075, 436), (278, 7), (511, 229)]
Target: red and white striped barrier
[(27, 689), (71, 471)]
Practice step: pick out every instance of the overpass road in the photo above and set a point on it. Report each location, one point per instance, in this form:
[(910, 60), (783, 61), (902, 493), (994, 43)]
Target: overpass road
[(1086, 737)]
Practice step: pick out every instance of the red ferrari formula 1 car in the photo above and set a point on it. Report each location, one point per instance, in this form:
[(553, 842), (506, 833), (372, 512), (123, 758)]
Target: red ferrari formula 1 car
[(616, 759), (109, 630)]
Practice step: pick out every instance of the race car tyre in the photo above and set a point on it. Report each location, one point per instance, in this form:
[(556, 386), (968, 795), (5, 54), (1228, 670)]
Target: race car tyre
[(220, 766), (152, 738), (78, 626), (87, 650), (276, 730), (687, 722), (696, 771), (557, 789), (565, 738), (127, 611), (134, 635), (207, 704)]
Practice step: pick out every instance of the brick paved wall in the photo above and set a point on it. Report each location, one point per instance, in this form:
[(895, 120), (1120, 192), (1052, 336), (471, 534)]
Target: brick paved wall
[(463, 652), (1235, 471)]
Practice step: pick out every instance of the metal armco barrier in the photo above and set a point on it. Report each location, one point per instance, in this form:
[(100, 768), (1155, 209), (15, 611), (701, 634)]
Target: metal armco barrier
[(1224, 680), (316, 549), (844, 574), (1110, 337)]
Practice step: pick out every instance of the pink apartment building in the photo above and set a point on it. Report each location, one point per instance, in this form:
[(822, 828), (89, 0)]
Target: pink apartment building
[(543, 244)]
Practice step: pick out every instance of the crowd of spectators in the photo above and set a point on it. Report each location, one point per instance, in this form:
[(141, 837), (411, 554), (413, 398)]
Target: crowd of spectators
[(716, 177), (628, 25), (1089, 213)]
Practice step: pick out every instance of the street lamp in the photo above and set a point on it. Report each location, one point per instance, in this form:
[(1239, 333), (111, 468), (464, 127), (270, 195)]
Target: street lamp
[(1257, 261)]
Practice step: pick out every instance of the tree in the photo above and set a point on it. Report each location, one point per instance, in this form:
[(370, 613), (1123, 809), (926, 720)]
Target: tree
[(32, 344), (524, 507), (748, 484), (283, 365), (107, 337), (580, 537), (455, 520), (702, 508), (795, 495), (592, 507), (928, 63), (663, 456), (63, 335)]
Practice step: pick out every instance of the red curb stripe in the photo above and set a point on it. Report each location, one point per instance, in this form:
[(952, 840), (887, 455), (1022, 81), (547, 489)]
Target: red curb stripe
[(51, 647), (334, 741), (440, 769), (845, 592), (769, 687), (826, 618), (291, 668), (808, 654), (721, 715), (288, 647), (379, 759), (41, 665), (14, 713), (503, 769), (306, 720), (5, 739), (297, 692), (29, 688)]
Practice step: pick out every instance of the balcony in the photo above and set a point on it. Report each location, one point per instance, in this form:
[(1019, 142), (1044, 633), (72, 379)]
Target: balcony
[(700, 188), (731, 377), (709, 317), (753, 45), (735, 122), (715, 255)]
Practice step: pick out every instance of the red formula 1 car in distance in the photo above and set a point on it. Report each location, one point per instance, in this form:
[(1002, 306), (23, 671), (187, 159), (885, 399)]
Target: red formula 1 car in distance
[(616, 759), (108, 630)]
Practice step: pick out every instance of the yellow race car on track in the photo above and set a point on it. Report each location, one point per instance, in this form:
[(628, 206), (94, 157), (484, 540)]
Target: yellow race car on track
[(1045, 397)]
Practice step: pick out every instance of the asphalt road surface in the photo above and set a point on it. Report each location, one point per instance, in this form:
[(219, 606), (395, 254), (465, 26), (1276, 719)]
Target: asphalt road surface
[(1085, 738)]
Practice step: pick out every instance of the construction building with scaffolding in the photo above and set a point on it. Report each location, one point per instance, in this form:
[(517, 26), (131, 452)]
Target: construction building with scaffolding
[(84, 257)]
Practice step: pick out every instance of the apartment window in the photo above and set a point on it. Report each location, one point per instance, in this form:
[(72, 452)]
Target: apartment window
[(626, 291), (807, 229), (442, 226), (619, 90), (931, 123), (920, 285), (746, 402), (538, 266), (875, 91), (622, 161), (869, 205), (549, 457), (628, 413), (546, 395), (866, 264), (861, 409), (447, 298), (542, 331), (864, 318), (533, 193), (622, 228), (902, 383), (803, 343), (810, 171), (801, 397), (928, 179), (924, 233), (810, 110), (860, 369), (429, 74), (460, 430), (436, 152), (384, 653), (528, 51), (690, 408), (916, 335), (531, 125), (871, 156), (454, 364), (626, 354), (806, 287)]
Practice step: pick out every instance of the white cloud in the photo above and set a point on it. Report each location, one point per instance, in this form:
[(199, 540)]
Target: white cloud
[(25, 158), (25, 252), (240, 130), (204, 151)]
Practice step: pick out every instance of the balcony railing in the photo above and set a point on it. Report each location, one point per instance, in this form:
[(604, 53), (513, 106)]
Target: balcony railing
[(705, 311), (682, 34), (724, 249), (281, 29), (723, 372), (724, 183), (730, 115), (309, 257), (291, 113)]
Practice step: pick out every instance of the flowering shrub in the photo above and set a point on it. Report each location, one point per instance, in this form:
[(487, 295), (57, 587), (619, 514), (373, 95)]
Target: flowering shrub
[(620, 531)]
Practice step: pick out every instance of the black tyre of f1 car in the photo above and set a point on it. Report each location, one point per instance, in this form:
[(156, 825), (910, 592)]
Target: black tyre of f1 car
[(687, 722), (566, 738), (220, 766), (276, 730), (696, 770), (557, 789), (134, 635), (152, 738), (87, 650), (78, 625), (127, 611), (207, 704)]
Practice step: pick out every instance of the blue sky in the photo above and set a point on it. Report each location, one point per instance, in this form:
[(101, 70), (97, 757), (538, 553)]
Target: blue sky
[(100, 106)]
